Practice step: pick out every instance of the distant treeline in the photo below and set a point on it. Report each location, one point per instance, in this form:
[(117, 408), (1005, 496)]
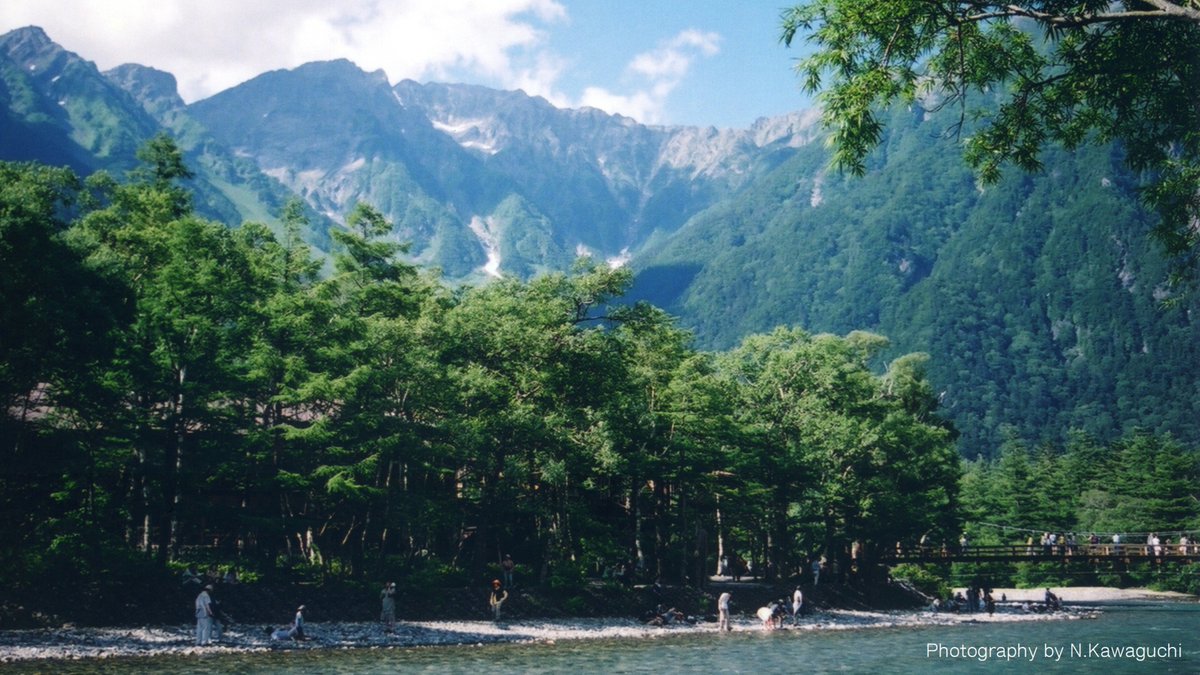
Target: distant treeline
[(1138, 486)]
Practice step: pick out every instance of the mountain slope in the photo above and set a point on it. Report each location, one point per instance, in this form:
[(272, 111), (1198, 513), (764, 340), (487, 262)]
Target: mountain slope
[(251, 194), (60, 109), (1038, 298)]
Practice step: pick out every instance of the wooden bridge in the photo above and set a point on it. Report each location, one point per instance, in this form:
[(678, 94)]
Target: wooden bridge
[(1101, 553)]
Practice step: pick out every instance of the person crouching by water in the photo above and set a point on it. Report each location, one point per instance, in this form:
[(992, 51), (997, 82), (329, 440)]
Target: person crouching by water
[(497, 598), (388, 598), (204, 616), (771, 615)]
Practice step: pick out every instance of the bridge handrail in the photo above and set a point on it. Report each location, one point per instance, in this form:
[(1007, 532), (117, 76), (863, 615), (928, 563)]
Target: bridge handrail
[(1026, 551)]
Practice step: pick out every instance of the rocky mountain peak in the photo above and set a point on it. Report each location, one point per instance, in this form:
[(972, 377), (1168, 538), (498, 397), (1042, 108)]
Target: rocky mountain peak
[(156, 90), (27, 40), (33, 50)]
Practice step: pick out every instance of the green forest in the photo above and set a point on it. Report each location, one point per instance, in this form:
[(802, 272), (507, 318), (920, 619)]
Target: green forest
[(177, 391)]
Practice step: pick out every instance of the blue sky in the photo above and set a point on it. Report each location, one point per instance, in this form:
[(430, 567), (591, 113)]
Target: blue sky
[(704, 62)]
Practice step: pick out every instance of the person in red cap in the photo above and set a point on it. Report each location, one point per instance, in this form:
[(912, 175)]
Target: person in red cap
[(497, 598)]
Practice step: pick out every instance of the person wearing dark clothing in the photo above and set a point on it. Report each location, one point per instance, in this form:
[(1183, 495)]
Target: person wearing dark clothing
[(497, 598), (297, 630)]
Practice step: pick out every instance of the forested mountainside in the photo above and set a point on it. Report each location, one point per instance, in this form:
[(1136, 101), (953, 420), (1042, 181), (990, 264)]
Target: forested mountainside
[(1039, 300)]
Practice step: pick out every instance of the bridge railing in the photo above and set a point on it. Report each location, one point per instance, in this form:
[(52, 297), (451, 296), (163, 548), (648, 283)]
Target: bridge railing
[(1039, 552)]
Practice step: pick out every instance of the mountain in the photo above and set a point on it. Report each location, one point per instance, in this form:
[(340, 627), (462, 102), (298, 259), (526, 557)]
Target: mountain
[(483, 181), (609, 182), (1040, 299), (60, 109)]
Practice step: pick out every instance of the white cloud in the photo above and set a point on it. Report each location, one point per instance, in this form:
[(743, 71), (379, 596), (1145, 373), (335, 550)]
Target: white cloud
[(215, 44), (659, 72)]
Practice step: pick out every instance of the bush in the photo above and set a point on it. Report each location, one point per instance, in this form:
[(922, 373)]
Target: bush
[(923, 580), (433, 574), (566, 576)]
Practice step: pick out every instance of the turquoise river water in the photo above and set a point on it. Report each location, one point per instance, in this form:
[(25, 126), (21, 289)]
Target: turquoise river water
[(1149, 638)]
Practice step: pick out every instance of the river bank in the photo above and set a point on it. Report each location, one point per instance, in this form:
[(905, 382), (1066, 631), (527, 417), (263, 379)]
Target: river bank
[(103, 643)]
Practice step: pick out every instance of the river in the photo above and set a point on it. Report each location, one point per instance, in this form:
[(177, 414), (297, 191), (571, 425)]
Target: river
[(1130, 638)]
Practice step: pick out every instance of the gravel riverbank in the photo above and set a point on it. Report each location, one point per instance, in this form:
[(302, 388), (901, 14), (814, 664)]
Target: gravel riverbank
[(101, 643)]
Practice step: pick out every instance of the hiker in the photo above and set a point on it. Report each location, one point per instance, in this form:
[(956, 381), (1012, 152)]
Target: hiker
[(1052, 601), (497, 598), (388, 599), (723, 611), (204, 617), (797, 605), (506, 568), (297, 630)]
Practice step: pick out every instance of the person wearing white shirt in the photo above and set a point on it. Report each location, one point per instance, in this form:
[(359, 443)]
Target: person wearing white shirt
[(204, 617)]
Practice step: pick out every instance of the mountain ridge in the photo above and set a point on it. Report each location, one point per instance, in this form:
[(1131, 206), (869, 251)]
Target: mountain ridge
[(1038, 299)]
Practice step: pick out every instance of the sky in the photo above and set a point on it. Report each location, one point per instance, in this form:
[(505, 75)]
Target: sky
[(694, 62)]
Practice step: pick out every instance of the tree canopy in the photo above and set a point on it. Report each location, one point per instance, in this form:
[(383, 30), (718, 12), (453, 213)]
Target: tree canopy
[(175, 390), (1068, 72)]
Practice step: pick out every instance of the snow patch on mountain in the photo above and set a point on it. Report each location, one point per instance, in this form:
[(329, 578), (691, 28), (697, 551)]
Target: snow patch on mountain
[(472, 134), (485, 230)]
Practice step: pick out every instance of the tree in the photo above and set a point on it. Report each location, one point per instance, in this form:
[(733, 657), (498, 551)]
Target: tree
[(849, 456), (1101, 71), (187, 281), (58, 321)]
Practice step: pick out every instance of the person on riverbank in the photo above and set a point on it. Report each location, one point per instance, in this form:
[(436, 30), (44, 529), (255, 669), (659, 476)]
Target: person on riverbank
[(204, 617), (723, 611), (387, 597), (497, 598), (1052, 601), (506, 570), (771, 616), (797, 605), (816, 571), (189, 579), (297, 630)]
